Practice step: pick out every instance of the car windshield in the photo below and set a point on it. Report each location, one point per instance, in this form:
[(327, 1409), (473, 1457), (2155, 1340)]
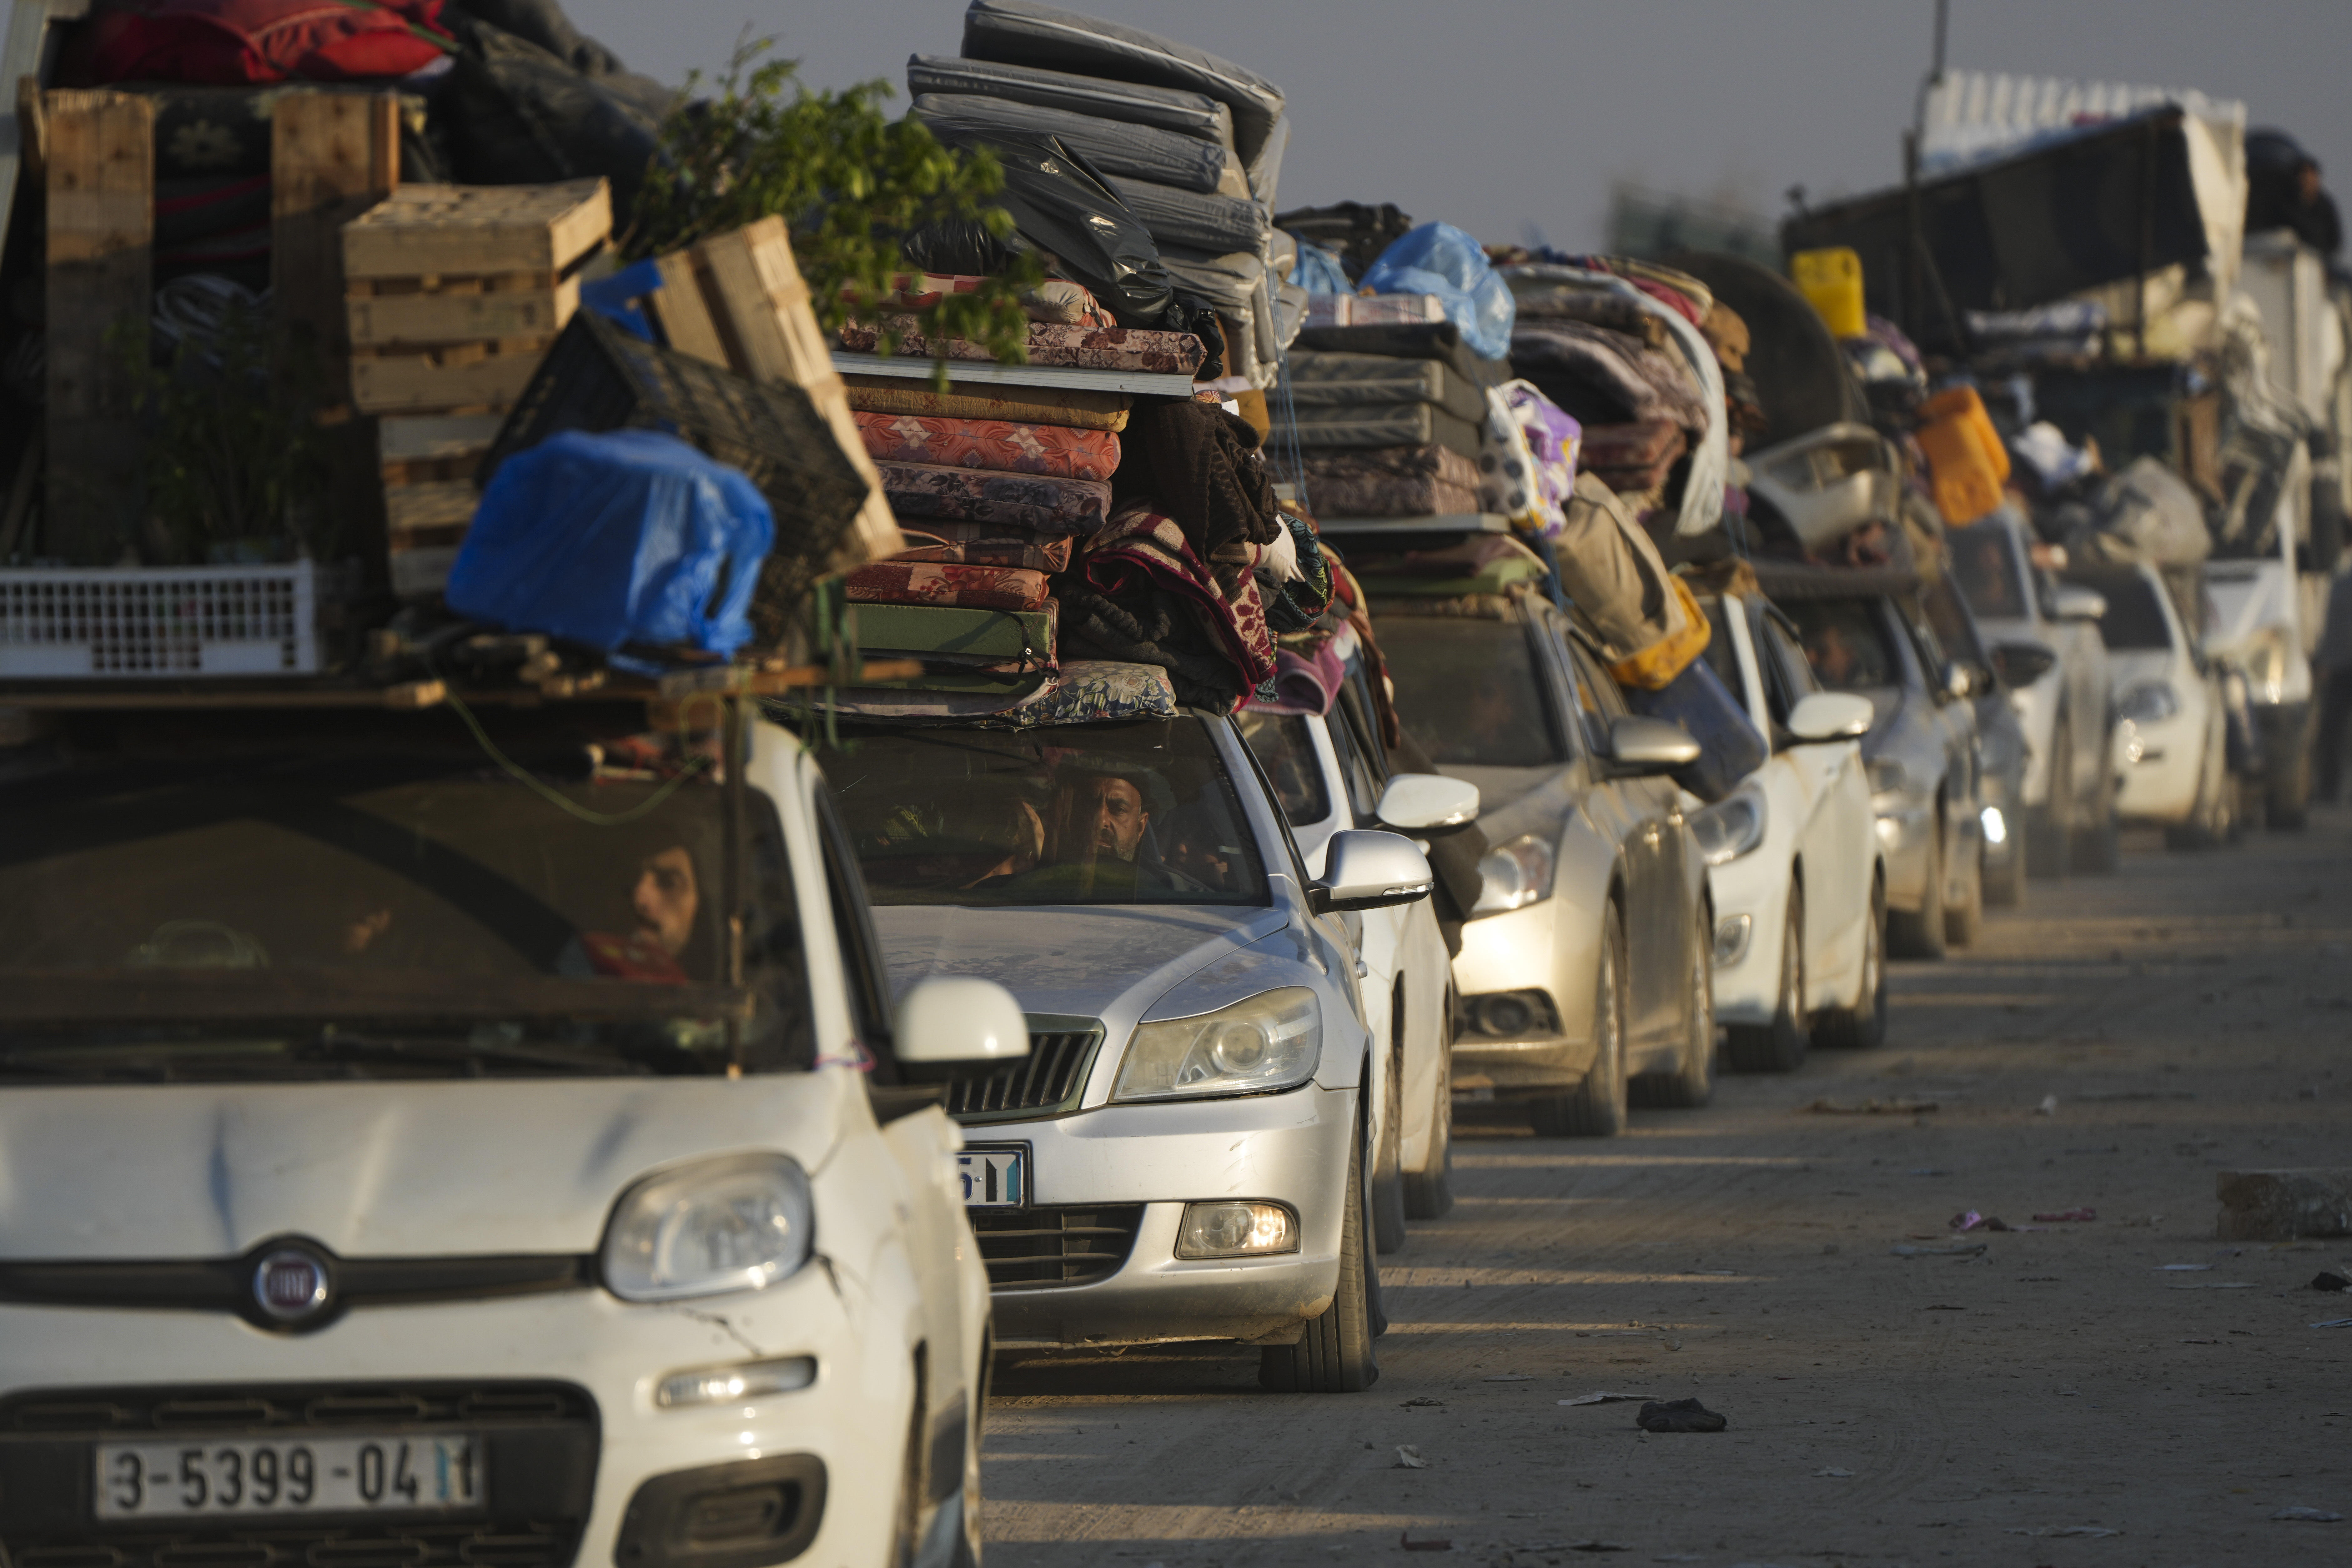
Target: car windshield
[(1469, 693), (1846, 643), (2135, 621), (1078, 813), (1984, 560), (238, 895)]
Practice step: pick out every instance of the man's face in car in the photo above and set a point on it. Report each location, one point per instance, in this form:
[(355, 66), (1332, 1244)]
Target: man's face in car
[(665, 899), (1108, 815)]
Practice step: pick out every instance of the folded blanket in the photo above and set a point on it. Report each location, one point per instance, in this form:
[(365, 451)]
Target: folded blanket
[(1142, 594), (1304, 681), (1634, 458), (1084, 690), (1391, 424), (1047, 505), (1203, 467), (1059, 451), (1136, 152), (1391, 482), (898, 582), (980, 544), (1230, 282), (1339, 380), (1068, 348), (1022, 405), (1211, 222), (1605, 378), (1166, 109)]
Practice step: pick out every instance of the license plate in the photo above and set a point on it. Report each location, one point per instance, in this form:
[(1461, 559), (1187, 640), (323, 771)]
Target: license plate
[(248, 1477), (994, 1177)]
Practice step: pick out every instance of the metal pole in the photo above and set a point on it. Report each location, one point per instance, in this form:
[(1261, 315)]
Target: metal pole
[(2148, 155)]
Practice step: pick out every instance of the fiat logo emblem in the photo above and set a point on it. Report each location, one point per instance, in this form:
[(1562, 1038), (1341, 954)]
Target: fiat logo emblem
[(288, 1285)]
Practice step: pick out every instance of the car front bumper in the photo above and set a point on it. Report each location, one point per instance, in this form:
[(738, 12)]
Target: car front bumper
[(1527, 952), (2162, 765), (1904, 828), (840, 1429), (1289, 1148), (1753, 888)]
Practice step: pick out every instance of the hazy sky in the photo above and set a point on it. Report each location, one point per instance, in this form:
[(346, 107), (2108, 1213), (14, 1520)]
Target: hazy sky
[(1499, 114)]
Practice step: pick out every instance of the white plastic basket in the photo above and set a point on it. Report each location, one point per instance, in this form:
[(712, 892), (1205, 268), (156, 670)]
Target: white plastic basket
[(146, 623)]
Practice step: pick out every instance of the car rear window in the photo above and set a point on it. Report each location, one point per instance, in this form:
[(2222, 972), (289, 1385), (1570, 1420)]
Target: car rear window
[(1846, 643), (1469, 693), (2134, 620)]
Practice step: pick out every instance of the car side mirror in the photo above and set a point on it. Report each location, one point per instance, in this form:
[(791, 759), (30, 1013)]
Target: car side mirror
[(1959, 681), (952, 1026), (1428, 803), (1830, 716), (2022, 663), (1364, 868), (2073, 604), (1650, 745)]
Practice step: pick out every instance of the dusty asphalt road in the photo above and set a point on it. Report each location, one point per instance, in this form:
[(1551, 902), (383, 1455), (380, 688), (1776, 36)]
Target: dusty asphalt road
[(2190, 1015)]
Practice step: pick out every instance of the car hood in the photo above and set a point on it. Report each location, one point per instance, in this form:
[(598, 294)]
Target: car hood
[(371, 1170), (1077, 962)]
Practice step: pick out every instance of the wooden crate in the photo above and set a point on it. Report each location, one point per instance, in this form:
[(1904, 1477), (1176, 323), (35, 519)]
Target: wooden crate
[(385, 312), (739, 300), (477, 231), (456, 376), (427, 466)]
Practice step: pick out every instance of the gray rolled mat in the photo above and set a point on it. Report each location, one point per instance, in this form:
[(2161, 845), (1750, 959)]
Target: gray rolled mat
[(1138, 151), (1022, 33), (1355, 380), (1218, 223), (1387, 424), (1164, 108), (1225, 281)]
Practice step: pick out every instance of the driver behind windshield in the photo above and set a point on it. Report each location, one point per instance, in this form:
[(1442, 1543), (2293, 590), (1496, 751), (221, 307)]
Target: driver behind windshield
[(664, 897), (1098, 833)]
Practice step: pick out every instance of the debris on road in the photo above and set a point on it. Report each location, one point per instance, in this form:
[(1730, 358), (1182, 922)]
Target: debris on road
[(1678, 1415), (1962, 1250), (2055, 1530), (1409, 1458), (1508, 1377), (2184, 1267), (2062, 1216), (2309, 1516), (2325, 1280), (1836, 1473), (1404, 1540), (2282, 1206), (1970, 1219), (2049, 1106), (2334, 1323), (1867, 1108), (1421, 1401), (1604, 1398)]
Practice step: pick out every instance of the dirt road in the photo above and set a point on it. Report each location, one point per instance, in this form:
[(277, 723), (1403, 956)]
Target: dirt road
[(2190, 1015)]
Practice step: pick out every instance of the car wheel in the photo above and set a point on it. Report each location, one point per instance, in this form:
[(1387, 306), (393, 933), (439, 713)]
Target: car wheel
[(2286, 804), (1597, 1107), (1964, 922), (2005, 888), (1863, 1026), (2207, 825), (1779, 1045), (1429, 1192), (907, 1517), (1921, 934), (1692, 1083), (1388, 1170), (2050, 827), (1334, 1355), (2098, 849)]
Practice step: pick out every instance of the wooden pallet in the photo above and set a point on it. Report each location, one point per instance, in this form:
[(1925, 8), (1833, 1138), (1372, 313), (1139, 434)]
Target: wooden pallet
[(738, 300), (427, 466)]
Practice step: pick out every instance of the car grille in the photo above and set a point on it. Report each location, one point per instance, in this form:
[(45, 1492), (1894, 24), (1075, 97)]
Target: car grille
[(1048, 1078), (1027, 1249), (540, 1440)]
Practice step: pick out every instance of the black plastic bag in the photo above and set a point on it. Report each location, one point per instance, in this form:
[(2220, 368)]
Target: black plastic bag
[(1060, 205), (516, 114), (1355, 232)]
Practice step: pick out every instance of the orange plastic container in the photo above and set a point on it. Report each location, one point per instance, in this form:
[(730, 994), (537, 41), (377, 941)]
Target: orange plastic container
[(1832, 280), (1966, 460)]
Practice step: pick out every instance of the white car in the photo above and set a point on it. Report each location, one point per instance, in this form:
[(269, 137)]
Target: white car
[(1794, 858), (420, 1152), (2171, 731), (1328, 776)]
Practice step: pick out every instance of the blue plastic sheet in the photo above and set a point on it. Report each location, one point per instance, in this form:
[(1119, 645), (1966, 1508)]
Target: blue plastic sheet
[(620, 297), (1318, 271), (1438, 259), (631, 536)]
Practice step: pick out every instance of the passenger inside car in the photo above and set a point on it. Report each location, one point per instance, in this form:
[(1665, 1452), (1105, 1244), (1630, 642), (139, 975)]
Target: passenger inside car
[(1844, 643)]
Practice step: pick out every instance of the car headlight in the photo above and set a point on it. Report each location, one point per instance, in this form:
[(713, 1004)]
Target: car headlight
[(1272, 1041), (1515, 875), (1730, 828), (736, 1224), (1886, 775), (2149, 704)]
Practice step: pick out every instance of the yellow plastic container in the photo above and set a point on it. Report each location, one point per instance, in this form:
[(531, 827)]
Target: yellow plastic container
[(1832, 280), (1966, 460)]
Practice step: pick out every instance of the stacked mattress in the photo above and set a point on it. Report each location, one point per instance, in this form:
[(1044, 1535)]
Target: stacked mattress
[(1390, 419), (996, 489), (1192, 144)]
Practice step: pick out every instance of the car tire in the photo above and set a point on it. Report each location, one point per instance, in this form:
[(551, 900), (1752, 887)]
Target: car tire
[(1964, 922), (1921, 934), (1597, 1107), (2005, 888), (1779, 1045), (1334, 1354), (1692, 1083), (1429, 1192), (2048, 846), (2208, 827), (2286, 804), (1388, 1169), (907, 1514), (1861, 1027)]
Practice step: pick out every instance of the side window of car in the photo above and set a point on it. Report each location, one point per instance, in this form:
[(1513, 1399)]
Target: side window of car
[(1788, 676), (1297, 862), (1924, 645), (1363, 789), (1598, 701), (1285, 748), (864, 970)]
